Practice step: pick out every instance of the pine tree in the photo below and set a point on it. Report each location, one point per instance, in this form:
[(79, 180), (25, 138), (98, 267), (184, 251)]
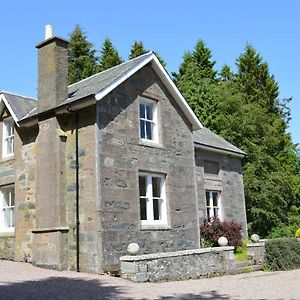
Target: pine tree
[(109, 56), (137, 49), (161, 60), (197, 82), (254, 120), (81, 56)]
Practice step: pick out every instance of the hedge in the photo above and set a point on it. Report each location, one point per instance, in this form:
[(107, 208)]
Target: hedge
[(283, 254)]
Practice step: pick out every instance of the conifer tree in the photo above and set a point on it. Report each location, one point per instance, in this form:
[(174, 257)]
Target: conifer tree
[(244, 108), (253, 119), (109, 56), (197, 82), (161, 60), (81, 56), (138, 49)]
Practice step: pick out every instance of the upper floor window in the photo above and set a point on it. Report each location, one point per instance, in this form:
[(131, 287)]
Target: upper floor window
[(148, 120), (152, 200), (8, 137), (211, 167), (7, 208), (213, 204)]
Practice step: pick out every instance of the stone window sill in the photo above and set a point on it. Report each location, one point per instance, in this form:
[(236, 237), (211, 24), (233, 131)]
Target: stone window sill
[(7, 234), (8, 158), (150, 144), (156, 227)]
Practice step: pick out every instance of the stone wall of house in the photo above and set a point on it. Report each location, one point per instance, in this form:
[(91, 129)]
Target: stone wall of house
[(229, 182), (180, 265), (121, 156), (88, 207), (25, 161)]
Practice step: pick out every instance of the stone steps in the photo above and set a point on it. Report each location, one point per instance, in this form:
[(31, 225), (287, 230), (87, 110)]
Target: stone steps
[(246, 267)]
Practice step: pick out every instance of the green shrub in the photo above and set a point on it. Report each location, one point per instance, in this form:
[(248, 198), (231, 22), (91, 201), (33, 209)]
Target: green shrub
[(283, 254), (297, 233), (213, 229), (283, 230), (241, 252)]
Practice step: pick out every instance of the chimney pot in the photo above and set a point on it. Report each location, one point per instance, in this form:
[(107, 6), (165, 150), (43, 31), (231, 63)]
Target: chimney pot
[(48, 32)]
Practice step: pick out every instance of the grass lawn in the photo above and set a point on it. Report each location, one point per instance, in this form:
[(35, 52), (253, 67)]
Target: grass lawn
[(241, 253)]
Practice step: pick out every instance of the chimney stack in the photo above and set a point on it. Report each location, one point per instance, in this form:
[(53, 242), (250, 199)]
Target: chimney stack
[(52, 71)]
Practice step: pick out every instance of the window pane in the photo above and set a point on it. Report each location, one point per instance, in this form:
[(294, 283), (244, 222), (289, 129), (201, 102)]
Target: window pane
[(5, 198), (148, 130), (156, 181), (149, 110), (207, 199), (215, 199), (216, 212), (156, 214), (142, 185), (12, 217), (142, 129), (12, 197), (208, 213), (6, 214), (143, 208), (9, 148), (142, 111)]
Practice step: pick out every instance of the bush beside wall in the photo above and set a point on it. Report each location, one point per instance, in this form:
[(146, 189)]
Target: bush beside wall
[(212, 229), (283, 254)]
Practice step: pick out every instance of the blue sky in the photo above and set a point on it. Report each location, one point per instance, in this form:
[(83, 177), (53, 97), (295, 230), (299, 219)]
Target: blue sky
[(169, 27)]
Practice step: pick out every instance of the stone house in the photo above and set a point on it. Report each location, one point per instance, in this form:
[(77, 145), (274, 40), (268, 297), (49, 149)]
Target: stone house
[(116, 158)]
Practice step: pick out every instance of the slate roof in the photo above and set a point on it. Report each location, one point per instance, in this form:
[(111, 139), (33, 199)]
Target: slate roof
[(101, 84), (98, 82), (95, 83), (24, 107), (20, 105), (206, 137)]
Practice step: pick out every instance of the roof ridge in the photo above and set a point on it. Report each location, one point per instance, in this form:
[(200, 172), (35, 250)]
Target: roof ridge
[(18, 95), (125, 62)]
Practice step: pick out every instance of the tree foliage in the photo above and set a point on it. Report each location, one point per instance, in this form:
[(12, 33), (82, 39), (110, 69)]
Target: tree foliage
[(244, 108), (109, 56), (81, 56), (269, 169), (138, 49), (197, 80)]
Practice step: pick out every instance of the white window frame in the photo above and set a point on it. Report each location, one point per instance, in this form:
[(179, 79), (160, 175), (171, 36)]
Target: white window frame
[(10, 207), (153, 122), (210, 207), (149, 198), (8, 123)]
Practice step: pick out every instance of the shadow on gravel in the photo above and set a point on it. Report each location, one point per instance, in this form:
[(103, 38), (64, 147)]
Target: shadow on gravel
[(210, 295), (59, 288)]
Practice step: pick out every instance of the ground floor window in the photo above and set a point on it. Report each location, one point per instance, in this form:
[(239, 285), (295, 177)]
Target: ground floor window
[(7, 208), (152, 199), (213, 204)]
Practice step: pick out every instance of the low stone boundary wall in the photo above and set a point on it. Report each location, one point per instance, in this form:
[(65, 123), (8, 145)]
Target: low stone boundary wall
[(256, 252), (180, 265), (7, 246)]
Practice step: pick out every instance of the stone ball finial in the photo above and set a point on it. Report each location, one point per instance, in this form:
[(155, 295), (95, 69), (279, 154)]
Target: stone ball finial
[(133, 248), (222, 241), (254, 238)]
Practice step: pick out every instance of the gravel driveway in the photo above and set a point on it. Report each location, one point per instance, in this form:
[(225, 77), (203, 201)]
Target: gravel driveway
[(23, 281)]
